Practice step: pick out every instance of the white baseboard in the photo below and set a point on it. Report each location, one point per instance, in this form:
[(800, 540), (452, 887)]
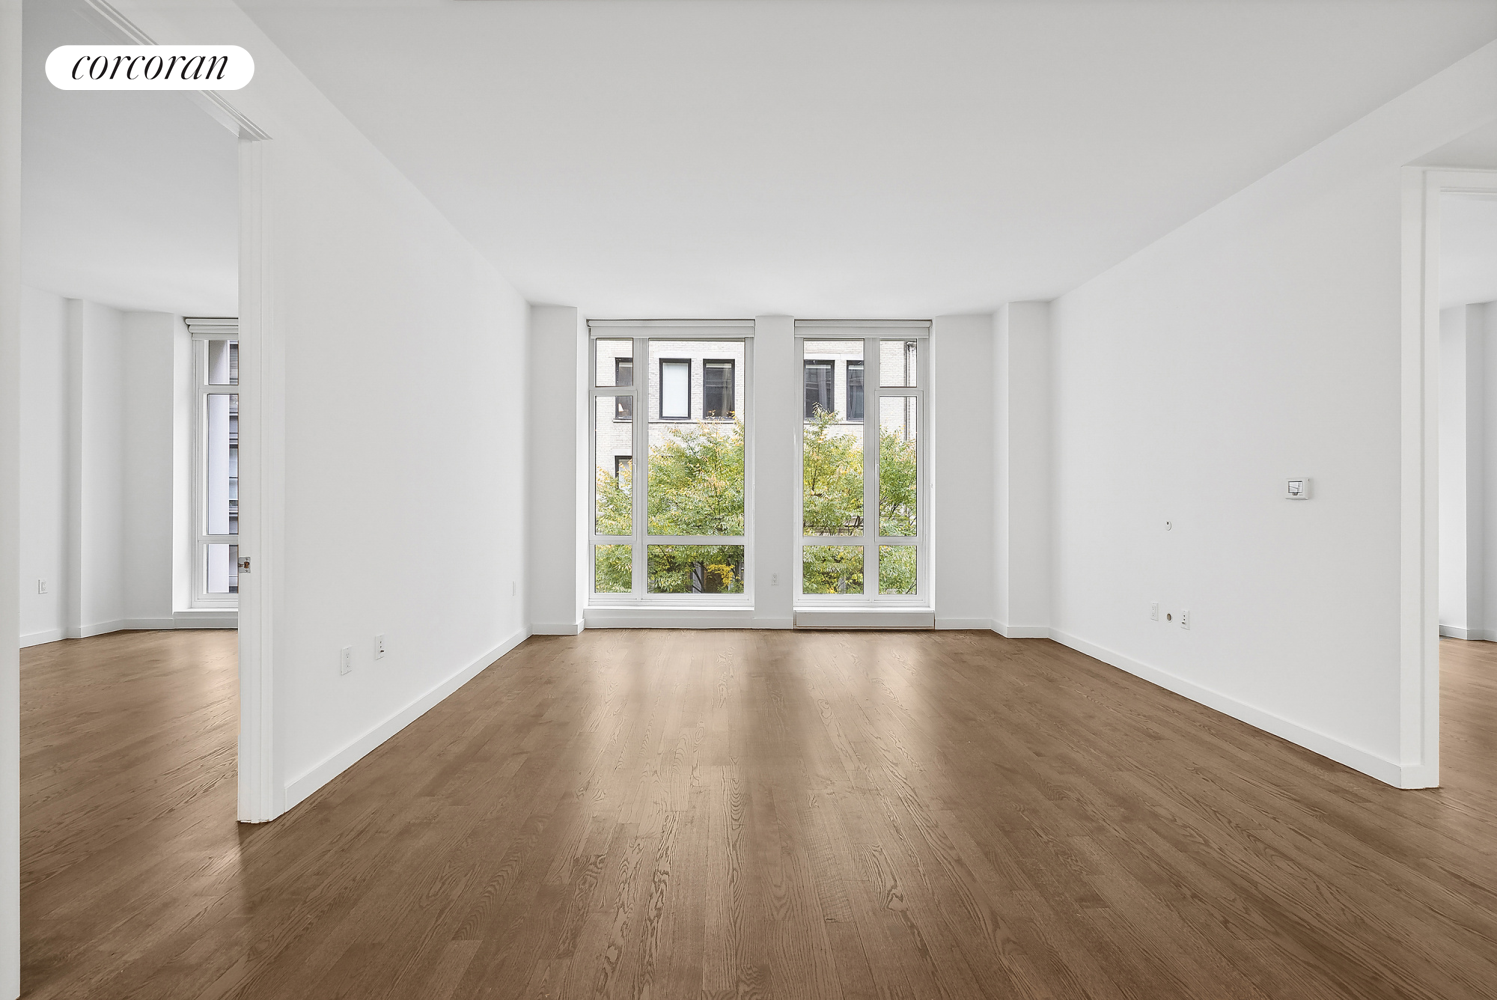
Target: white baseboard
[(205, 618), (1477, 634), (1021, 631), (1369, 763), (37, 638), (698, 618), (555, 628), (179, 619), (964, 623), (865, 618), (304, 784)]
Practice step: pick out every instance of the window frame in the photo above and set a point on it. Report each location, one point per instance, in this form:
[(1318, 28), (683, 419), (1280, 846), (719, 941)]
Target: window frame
[(873, 392), (642, 332), (201, 537)]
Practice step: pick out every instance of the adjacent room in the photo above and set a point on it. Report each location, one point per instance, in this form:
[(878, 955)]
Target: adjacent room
[(704, 498)]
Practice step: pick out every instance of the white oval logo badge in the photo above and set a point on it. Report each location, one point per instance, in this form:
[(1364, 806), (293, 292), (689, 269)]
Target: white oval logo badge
[(149, 67)]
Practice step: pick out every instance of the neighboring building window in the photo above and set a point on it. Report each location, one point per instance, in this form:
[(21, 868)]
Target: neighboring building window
[(623, 374), (717, 390), (675, 389), (622, 466), (819, 390), (855, 391), (216, 464)]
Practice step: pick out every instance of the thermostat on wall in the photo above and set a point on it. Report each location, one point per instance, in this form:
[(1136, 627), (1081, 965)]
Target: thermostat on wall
[(1297, 489)]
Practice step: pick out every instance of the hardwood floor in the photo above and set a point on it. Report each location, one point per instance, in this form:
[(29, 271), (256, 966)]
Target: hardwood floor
[(747, 814)]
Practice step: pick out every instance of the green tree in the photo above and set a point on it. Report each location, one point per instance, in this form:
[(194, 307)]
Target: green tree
[(697, 488)]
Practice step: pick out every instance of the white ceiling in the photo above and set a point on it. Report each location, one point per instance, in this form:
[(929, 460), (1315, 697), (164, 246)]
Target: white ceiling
[(833, 157), (1468, 249), (129, 199)]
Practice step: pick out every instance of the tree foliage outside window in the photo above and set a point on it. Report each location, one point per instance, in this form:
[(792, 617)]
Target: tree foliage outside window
[(832, 504), (697, 488)]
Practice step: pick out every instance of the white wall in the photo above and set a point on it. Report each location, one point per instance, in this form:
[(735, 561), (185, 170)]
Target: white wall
[(99, 475), (1258, 342), (558, 553), (405, 408), (148, 489), (963, 408), (10, 469), (44, 393), (96, 574), (1468, 472), (1021, 470)]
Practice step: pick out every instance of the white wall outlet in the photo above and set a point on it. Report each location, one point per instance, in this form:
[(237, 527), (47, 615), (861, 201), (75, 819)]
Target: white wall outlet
[(1185, 619), (774, 579), (41, 586), (1297, 488), (345, 660), (1154, 611), (379, 647)]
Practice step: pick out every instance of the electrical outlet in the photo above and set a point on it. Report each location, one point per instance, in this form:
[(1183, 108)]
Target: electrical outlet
[(41, 586), (774, 579), (345, 660), (1185, 619), (1154, 611), (379, 647)]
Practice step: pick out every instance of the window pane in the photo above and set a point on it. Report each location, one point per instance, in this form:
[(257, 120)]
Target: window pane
[(221, 463), (717, 390), (896, 569), (896, 363), (897, 479), (675, 389), (855, 390), (222, 570), (613, 569), (696, 479), (223, 362), (615, 362), (613, 503), (695, 569), (831, 569), (696, 469)]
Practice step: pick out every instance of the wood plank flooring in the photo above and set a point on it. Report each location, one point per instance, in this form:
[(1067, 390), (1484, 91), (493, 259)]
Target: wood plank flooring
[(747, 814)]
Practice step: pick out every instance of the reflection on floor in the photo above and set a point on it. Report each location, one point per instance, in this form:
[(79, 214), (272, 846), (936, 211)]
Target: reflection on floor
[(684, 814)]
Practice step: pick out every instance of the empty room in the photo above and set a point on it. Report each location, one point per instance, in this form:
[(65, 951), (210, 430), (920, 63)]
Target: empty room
[(748, 498)]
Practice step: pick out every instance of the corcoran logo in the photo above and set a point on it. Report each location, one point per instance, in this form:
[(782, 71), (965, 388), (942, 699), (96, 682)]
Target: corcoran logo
[(149, 67)]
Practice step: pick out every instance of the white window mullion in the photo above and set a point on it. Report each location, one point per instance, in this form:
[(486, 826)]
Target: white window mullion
[(641, 462), (871, 374)]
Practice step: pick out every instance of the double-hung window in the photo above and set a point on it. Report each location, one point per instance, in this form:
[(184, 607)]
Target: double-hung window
[(216, 463), (863, 531), (673, 527)]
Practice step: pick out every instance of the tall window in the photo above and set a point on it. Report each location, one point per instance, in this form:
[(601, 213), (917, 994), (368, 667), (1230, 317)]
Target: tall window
[(216, 463), (863, 534), (673, 526)]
